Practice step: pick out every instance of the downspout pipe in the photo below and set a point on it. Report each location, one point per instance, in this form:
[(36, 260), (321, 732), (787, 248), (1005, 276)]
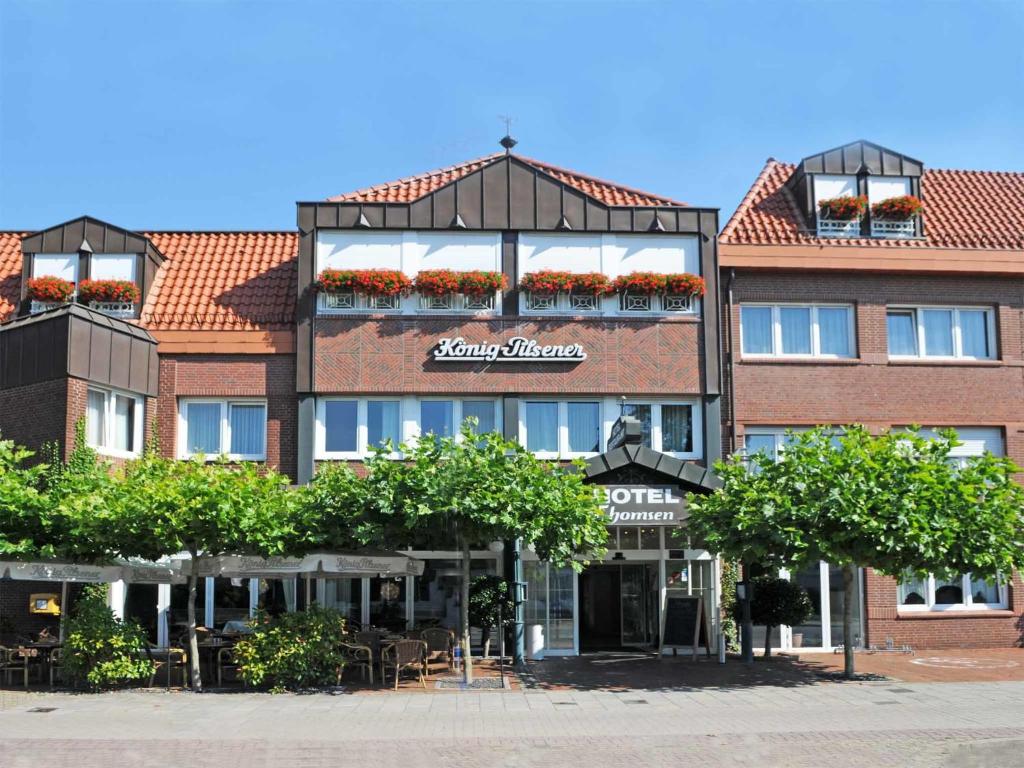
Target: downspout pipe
[(730, 364)]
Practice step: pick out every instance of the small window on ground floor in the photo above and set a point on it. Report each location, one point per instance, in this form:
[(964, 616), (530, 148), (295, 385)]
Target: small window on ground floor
[(924, 593)]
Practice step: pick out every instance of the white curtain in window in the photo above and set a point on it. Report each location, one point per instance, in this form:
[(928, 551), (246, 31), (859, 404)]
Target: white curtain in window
[(290, 589), (834, 331), (95, 429), (340, 422), (938, 331), (796, 330), (112, 266), (983, 592), (584, 427), (756, 325), (248, 424), (203, 428), (912, 591), (676, 429), (383, 423), (902, 331), (482, 411), (974, 333), (124, 423), (63, 265), (542, 427)]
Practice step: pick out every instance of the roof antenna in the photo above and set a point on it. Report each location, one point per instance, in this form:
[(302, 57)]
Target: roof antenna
[(507, 141)]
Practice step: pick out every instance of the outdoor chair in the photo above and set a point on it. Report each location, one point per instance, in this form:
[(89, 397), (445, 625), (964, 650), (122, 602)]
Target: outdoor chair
[(166, 661), (357, 656), (401, 655), (56, 664), (440, 643), (226, 661), (370, 638), (14, 661)]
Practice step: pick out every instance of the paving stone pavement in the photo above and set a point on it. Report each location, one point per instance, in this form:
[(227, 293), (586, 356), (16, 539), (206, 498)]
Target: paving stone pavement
[(867, 724)]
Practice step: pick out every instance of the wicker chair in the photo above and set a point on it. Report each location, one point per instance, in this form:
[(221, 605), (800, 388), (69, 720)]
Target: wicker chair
[(170, 659), (14, 661), (401, 655), (440, 643), (358, 656)]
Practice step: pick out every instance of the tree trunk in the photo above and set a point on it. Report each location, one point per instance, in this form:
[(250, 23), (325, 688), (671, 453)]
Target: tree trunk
[(768, 642), (193, 642), (849, 597), (485, 641), (467, 659)]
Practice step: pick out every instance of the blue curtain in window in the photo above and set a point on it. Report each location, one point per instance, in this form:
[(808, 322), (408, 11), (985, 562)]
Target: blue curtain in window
[(383, 423), (676, 429), (974, 333), (756, 324), (248, 429), (482, 411), (436, 417), (584, 427), (834, 331), (203, 428), (938, 331), (340, 422), (542, 427)]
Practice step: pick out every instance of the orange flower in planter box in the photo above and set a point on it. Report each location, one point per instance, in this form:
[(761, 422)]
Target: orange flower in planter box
[(436, 282), (481, 283), (546, 281), (899, 208), (845, 208), (371, 282), (592, 284), (56, 290), (120, 291), (684, 284), (643, 283)]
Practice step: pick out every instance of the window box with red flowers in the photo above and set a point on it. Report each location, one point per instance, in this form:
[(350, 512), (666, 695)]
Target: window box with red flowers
[(654, 291), (48, 292), (587, 290), (361, 289), (453, 291), (895, 216), (545, 291), (112, 297), (480, 287), (840, 216)]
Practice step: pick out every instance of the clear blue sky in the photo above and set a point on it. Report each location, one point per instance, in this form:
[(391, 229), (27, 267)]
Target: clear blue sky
[(222, 114)]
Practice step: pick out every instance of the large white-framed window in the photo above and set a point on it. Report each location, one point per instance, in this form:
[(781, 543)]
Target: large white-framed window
[(236, 428), (62, 265), (797, 330), (580, 427), (950, 333), (113, 422), (351, 427), (959, 593), (112, 266)]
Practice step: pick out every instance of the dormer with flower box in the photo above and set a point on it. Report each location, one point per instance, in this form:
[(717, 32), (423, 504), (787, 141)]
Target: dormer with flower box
[(91, 262), (860, 190)]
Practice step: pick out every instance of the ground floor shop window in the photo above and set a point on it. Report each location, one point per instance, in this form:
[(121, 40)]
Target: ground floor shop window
[(957, 593), (344, 596), (438, 592), (550, 604), (140, 606), (277, 596)]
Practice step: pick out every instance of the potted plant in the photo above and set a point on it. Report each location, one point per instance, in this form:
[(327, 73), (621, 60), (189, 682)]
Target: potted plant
[(382, 286), (778, 602), (899, 208), (108, 291), (52, 290), (684, 284), (640, 283), (542, 288), (844, 208), (436, 282), (591, 284), (490, 601), (481, 283)]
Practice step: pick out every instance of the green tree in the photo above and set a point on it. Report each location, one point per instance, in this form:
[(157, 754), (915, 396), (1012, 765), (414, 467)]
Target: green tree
[(462, 491), (163, 507), (895, 503), (776, 602), (24, 507)]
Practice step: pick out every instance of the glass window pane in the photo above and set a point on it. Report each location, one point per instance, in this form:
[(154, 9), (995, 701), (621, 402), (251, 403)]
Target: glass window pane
[(436, 417), (248, 429), (902, 332), (834, 331), (560, 608), (63, 265), (760, 444), (796, 330), (340, 421), (650, 538), (984, 593), (112, 266), (974, 333), (383, 423), (542, 427), (756, 327), (203, 428), (584, 427), (482, 411), (123, 428), (676, 429), (949, 592), (642, 412), (95, 429), (938, 331), (912, 591)]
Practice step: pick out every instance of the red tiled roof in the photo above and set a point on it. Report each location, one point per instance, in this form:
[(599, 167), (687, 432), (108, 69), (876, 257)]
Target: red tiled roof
[(962, 209), (414, 187), (10, 273)]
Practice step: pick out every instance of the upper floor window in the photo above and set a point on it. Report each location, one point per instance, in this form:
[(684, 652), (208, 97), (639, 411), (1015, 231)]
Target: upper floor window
[(235, 428), (794, 330), (113, 422), (112, 266), (941, 332), (62, 265)]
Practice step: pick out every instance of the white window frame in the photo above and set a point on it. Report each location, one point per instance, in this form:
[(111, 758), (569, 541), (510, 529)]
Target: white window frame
[(609, 409), (930, 606), (109, 396), (916, 309), (815, 352), (225, 426)]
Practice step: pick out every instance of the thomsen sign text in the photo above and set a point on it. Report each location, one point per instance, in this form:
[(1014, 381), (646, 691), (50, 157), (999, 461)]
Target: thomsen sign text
[(644, 505)]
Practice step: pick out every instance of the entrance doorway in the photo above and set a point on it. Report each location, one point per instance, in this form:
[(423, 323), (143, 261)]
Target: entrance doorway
[(618, 606)]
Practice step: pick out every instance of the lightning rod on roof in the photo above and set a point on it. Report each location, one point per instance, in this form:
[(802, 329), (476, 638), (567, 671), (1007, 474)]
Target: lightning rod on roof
[(507, 141)]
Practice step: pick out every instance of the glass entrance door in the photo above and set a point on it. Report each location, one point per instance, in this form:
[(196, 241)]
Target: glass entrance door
[(633, 599)]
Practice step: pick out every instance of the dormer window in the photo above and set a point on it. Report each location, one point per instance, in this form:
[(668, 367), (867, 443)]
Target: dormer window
[(63, 266), (888, 188), (829, 187), (108, 274)]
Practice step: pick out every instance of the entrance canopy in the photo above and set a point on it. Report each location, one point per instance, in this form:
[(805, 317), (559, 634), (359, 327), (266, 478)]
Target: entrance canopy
[(319, 565), (135, 571)]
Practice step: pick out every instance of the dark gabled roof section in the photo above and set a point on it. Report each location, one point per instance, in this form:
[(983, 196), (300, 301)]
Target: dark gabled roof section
[(90, 234), (673, 470)]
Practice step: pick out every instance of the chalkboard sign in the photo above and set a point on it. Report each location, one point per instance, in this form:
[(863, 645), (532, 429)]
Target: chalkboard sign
[(684, 623)]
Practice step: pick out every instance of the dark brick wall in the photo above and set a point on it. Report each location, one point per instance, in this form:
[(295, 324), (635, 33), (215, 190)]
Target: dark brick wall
[(36, 414)]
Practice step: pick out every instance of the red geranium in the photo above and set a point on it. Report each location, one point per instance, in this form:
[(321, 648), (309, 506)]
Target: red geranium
[(684, 284), (481, 283), (592, 284), (640, 282), (845, 208), (372, 282), (51, 289), (436, 282), (546, 281), (108, 291), (899, 208)]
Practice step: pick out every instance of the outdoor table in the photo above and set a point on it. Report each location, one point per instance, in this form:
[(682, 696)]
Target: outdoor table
[(39, 653), (208, 654)]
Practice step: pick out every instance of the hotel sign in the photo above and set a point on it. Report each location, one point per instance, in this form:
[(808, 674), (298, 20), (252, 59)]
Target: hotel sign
[(644, 505), (518, 349)]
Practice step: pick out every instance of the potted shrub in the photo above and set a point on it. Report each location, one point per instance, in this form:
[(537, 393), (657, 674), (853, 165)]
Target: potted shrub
[(490, 596), (108, 291), (52, 290), (899, 208), (777, 602), (844, 208)]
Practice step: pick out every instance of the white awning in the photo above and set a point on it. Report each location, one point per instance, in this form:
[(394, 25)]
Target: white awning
[(320, 565), (53, 571)]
